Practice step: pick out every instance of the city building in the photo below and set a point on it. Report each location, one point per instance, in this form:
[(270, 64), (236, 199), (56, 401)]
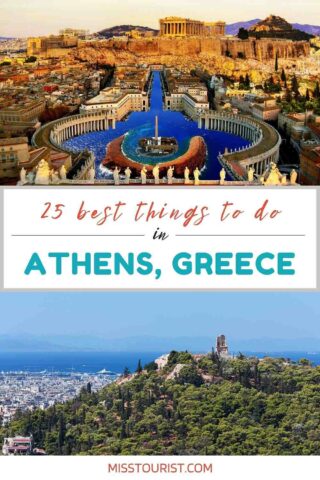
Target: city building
[(25, 110), (186, 27), (310, 165), (129, 93), (301, 128), (12, 151), (113, 100), (185, 93), (52, 46), (267, 110), (17, 446), (74, 32)]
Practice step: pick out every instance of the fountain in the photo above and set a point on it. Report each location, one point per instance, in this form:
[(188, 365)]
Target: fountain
[(157, 146)]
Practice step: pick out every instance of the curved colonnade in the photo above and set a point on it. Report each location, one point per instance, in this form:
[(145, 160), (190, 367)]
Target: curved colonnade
[(264, 142)]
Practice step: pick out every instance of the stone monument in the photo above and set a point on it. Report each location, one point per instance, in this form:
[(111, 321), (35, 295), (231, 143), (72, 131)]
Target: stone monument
[(42, 173), (155, 173), (128, 175), (196, 175), (116, 177), (222, 176), (186, 176), (143, 175)]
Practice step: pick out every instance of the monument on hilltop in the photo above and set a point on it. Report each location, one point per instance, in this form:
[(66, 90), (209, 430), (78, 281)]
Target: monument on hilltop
[(222, 349)]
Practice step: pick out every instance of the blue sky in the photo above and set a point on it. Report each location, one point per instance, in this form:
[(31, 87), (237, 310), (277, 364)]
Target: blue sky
[(35, 17), (246, 318)]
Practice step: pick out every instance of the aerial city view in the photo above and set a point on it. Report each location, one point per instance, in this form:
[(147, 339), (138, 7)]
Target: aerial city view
[(191, 102), (191, 380)]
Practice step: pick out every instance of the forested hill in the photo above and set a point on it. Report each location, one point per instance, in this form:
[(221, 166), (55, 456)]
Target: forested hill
[(194, 405)]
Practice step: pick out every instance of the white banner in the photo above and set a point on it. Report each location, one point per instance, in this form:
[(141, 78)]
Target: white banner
[(143, 468), (159, 238)]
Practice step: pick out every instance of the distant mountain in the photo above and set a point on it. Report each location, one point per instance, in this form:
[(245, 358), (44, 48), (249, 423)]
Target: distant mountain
[(82, 343), (29, 343), (120, 30), (233, 28), (311, 29)]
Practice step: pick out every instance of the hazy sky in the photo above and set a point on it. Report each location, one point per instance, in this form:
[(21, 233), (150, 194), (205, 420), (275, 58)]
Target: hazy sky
[(37, 17), (113, 315)]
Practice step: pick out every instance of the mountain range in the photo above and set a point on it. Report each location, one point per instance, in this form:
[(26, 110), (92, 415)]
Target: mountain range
[(79, 343)]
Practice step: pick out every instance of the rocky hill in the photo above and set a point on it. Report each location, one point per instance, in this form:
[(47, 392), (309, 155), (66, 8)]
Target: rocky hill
[(194, 52), (194, 405), (277, 27), (120, 30), (233, 28)]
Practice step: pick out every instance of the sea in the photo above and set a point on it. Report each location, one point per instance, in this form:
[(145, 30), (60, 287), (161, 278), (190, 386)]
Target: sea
[(104, 362)]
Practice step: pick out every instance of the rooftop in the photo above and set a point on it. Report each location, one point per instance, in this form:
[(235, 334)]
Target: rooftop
[(13, 141)]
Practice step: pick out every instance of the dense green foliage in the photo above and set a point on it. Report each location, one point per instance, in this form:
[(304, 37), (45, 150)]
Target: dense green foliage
[(206, 405)]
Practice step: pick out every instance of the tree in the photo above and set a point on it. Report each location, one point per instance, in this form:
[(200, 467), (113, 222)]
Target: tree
[(151, 367), (89, 388), (126, 372), (288, 96), (316, 92), (189, 374), (295, 85), (307, 95), (305, 362), (139, 367), (243, 34), (283, 76), (61, 433), (276, 63), (31, 59)]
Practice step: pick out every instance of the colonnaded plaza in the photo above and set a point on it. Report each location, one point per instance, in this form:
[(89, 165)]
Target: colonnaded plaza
[(155, 123), (212, 147)]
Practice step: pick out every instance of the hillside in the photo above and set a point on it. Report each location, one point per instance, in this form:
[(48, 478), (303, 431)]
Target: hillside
[(120, 30), (194, 405), (233, 28)]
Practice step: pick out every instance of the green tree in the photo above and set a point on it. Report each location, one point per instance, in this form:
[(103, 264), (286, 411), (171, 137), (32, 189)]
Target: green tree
[(295, 85), (151, 367), (276, 63), (189, 374), (307, 95), (243, 34), (31, 59), (139, 367)]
